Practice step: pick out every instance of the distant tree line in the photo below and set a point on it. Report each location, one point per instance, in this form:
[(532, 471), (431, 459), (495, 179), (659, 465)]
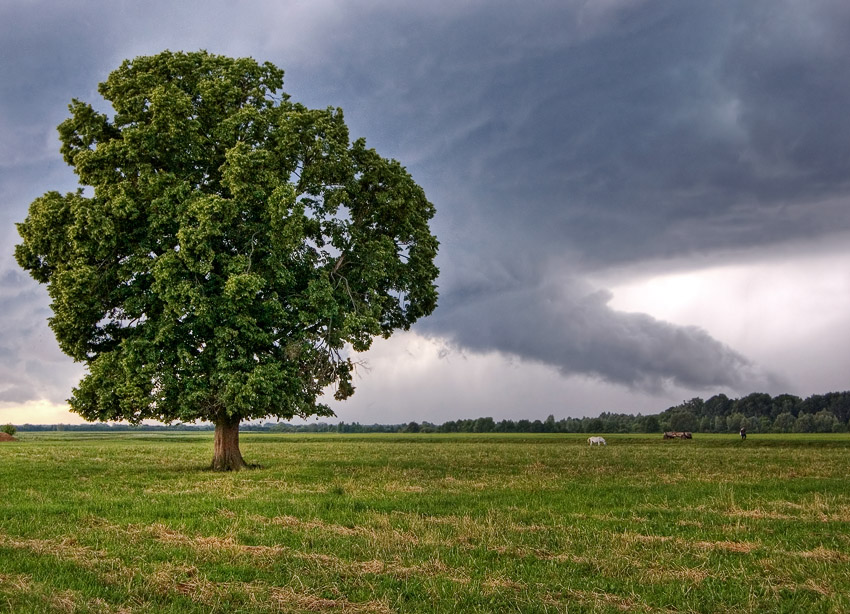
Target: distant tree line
[(761, 413), (757, 412)]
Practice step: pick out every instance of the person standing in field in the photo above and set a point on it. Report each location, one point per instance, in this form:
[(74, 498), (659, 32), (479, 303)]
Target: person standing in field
[(743, 433)]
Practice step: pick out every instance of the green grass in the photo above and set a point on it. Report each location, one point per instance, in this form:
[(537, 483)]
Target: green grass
[(425, 523)]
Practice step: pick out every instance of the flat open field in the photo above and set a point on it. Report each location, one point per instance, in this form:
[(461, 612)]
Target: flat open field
[(425, 523)]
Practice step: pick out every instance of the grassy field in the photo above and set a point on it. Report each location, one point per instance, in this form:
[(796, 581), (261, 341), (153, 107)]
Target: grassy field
[(425, 523)]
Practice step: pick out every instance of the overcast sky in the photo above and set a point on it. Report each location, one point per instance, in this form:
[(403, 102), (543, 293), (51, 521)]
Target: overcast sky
[(638, 202)]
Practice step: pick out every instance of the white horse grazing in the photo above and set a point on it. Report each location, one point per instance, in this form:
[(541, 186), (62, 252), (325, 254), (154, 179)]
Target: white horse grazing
[(599, 441)]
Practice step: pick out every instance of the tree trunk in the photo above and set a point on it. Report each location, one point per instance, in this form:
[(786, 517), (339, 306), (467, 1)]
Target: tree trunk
[(227, 456)]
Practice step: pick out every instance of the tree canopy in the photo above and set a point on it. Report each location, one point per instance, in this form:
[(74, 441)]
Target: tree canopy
[(227, 247)]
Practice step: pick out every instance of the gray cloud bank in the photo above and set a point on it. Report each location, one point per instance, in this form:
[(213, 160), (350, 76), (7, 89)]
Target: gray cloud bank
[(556, 139), (564, 323), (31, 365)]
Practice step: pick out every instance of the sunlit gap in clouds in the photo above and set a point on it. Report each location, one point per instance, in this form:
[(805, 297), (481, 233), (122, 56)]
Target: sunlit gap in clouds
[(38, 412), (787, 309)]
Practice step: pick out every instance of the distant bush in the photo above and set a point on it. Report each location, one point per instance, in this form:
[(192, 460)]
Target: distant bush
[(9, 429), (784, 422), (805, 423), (684, 421)]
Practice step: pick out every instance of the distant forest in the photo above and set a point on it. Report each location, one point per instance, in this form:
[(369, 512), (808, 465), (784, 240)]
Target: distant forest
[(757, 412)]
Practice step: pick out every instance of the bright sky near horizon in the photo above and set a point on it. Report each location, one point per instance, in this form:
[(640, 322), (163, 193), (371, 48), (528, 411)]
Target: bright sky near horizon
[(637, 202)]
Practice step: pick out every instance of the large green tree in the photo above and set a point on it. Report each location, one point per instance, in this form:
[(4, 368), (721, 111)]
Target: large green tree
[(228, 248)]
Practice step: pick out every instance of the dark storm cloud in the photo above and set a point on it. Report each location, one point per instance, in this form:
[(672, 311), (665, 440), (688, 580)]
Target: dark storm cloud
[(557, 139), (50, 53), (659, 130), (666, 128)]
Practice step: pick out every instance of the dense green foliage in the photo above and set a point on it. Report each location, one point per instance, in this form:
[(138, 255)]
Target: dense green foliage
[(761, 413), (9, 429), (757, 412), (227, 248), (414, 523)]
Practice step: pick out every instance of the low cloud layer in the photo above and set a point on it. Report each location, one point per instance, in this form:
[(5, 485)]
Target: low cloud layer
[(565, 324)]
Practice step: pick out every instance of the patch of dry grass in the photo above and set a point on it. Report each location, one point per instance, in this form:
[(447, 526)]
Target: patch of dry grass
[(599, 600)]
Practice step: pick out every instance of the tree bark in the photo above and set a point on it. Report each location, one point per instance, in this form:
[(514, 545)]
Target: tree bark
[(227, 456)]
